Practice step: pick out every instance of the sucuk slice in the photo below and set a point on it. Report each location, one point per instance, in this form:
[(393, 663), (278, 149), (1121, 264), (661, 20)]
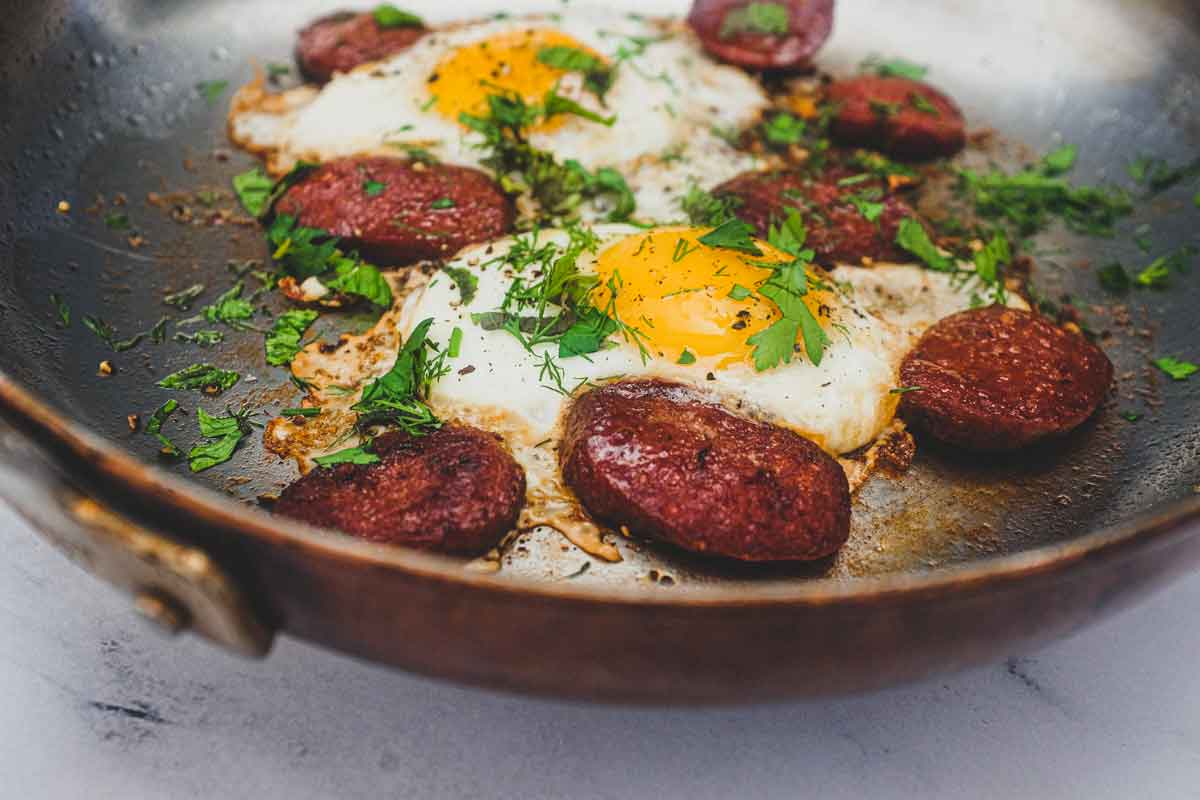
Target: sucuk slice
[(663, 462), (396, 211), (996, 379), (810, 22), (341, 41), (838, 230), (456, 490), (905, 118)]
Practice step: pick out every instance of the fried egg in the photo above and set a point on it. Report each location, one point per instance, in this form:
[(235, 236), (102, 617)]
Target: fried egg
[(672, 106)]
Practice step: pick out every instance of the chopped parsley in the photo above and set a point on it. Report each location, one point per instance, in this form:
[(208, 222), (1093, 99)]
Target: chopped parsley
[(906, 389), (787, 288), (108, 334), (1029, 200), (398, 397), (895, 68), (275, 70), (1157, 175), (1157, 274), (301, 412), (784, 129), (686, 357), (739, 292), (558, 187), (284, 339), (466, 282), (154, 428), (388, 16), (455, 345), (1178, 370), (1061, 160), (202, 338), (230, 309), (733, 234), (706, 209), (913, 237), (211, 91), (1130, 416), (223, 435), (201, 377), (184, 298), (870, 209), (1113, 278), (373, 188), (253, 189), (597, 76), (117, 221), (258, 193), (310, 252), (361, 455), (442, 202), (922, 103), (770, 19), (61, 310)]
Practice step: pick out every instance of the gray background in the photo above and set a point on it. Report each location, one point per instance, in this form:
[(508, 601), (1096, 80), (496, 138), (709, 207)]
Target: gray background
[(1113, 713)]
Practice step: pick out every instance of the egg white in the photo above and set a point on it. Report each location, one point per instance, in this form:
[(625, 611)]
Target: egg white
[(670, 102)]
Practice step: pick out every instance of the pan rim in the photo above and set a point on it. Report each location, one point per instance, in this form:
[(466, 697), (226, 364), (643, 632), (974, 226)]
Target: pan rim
[(206, 507)]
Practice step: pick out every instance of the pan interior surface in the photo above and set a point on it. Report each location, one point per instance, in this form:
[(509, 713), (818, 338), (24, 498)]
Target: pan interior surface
[(101, 103)]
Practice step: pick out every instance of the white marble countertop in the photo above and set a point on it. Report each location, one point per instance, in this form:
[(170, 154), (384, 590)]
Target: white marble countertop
[(98, 705)]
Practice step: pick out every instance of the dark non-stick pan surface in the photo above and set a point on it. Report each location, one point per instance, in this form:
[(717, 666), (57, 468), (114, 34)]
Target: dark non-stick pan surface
[(99, 101)]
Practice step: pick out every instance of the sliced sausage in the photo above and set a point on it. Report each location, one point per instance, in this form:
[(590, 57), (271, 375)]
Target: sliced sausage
[(341, 41), (839, 232), (456, 490), (905, 118), (663, 462), (723, 30), (395, 211), (997, 379)]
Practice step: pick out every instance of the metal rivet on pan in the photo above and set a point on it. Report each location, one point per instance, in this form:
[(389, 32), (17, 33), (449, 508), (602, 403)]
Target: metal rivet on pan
[(165, 612)]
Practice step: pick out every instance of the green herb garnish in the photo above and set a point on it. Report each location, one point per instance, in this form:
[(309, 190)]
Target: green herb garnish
[(201, 377), (705, 209), (184, 298), (224, 435), (61, 310), (441, 203), (1178, 370), (787, 287), (895, 68), (769, 19), (300, 412), (361, 455), (388, 16), (784, 129), (597, 76), (466, 282), (154, 428), (284, 339), (211, 91), (398, 397), (373, 188), (733, 234), (686, 357)]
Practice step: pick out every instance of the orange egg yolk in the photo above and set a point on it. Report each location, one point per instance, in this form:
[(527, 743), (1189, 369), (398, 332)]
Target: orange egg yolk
[(463, 80), (685, 295)]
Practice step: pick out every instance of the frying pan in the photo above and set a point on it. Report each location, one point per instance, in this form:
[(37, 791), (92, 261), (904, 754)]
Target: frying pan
[(960, 561)]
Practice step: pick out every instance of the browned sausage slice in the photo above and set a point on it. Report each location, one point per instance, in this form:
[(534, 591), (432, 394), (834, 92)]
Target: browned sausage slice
[(727, 30), (658, 459), (456, 490), (998, 379), (905, 118), (341, 41), (397, 212), (839, 231)]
